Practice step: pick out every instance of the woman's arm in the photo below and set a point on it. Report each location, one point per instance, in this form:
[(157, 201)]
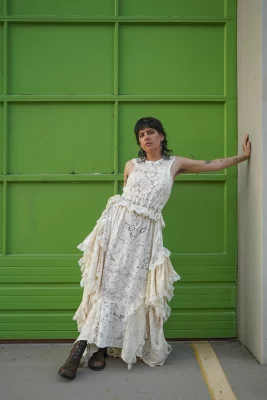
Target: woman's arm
[(186, 165), (127, 171)]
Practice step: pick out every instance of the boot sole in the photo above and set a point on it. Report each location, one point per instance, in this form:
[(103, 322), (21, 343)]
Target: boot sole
[(68, 377)]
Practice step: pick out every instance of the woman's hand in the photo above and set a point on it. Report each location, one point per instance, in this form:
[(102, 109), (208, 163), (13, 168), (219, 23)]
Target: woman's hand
[(246, 146)]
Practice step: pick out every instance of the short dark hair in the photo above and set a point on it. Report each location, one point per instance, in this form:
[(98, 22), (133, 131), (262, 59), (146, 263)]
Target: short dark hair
[(153, 123)]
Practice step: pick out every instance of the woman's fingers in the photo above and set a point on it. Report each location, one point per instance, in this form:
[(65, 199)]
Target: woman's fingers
[(247, 145)]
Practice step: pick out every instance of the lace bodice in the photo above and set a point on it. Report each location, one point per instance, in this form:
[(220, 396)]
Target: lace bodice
[(149, 187)]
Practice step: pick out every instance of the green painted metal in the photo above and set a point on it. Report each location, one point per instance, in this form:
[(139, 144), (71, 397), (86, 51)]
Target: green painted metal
[(1, 61), (187, 50), (189, 8), (59, 139), (75, 76), (56, 69), (51, 7)]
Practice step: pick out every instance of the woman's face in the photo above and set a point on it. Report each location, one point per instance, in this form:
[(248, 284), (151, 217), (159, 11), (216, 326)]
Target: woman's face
[(150, 139)]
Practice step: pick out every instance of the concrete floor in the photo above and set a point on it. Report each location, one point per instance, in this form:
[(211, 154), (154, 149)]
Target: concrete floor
[(29, 372)]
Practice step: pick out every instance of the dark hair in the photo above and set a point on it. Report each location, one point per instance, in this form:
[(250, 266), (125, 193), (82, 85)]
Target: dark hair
[(153, 123)]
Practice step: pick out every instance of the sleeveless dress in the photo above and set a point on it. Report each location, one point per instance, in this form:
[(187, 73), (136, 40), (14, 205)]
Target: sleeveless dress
[(127, 275)]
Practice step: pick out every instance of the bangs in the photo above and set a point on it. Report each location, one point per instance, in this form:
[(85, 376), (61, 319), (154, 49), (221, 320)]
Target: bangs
[(148, 122)]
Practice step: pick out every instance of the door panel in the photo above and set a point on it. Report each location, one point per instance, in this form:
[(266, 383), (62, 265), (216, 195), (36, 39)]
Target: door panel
[(74, 79)]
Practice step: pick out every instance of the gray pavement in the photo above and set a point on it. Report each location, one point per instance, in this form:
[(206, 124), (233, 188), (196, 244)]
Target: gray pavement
[(29, 372), (247, 378)]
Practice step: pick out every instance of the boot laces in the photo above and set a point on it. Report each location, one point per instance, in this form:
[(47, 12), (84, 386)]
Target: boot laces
[(77, 354)]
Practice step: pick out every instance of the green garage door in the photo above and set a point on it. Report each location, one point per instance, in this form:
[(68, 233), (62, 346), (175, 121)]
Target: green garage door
[(75, 77)]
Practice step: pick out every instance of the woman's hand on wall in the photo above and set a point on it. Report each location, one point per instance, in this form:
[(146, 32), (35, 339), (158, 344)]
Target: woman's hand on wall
[(246, 146)]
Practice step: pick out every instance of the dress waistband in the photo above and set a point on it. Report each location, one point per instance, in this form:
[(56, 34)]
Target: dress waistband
[(150, 212), (139, 205)]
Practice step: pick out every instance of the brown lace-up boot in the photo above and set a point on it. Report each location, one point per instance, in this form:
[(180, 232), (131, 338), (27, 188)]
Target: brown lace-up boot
[(97, 361), (69, 369)]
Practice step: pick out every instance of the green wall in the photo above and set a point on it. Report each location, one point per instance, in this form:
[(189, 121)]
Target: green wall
[(74, 78)]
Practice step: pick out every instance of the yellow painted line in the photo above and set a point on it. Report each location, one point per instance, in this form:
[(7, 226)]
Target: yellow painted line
[(212, 372)]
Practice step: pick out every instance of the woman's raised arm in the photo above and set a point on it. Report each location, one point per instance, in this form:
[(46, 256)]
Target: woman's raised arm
[(187, 166)]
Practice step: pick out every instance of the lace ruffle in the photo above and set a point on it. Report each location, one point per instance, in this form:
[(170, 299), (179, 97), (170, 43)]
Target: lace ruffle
[(160, 287), (161, 277), (91, 264)]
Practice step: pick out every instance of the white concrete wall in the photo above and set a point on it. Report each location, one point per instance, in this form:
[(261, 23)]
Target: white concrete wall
[(252, 221), (264, 179)]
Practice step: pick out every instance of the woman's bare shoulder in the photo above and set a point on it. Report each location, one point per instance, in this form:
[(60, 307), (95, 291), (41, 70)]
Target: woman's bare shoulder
[(131, 161), (129, 165)]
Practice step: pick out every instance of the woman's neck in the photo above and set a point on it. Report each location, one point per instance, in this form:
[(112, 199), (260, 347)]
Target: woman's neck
[(153, 156)]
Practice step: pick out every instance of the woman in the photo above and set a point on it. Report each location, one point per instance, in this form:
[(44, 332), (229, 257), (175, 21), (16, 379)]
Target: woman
[(127, 275)]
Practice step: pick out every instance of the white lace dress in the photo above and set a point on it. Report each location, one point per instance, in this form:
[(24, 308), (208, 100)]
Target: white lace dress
[(127, 275)]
